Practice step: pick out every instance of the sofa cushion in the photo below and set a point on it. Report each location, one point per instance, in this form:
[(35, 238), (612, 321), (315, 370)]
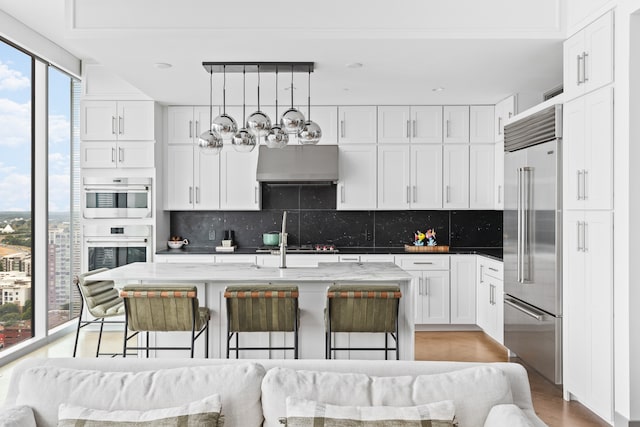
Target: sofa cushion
[(204, 412), (474, 391), (309, 413), (507, 416), (17, 416), (238, 386)]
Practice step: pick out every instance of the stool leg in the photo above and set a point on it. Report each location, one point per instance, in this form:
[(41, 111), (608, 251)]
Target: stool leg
[(228, 342), (237, 346), (206, 342), (100, 337), (75, 345), (386, 346), (147, 333)]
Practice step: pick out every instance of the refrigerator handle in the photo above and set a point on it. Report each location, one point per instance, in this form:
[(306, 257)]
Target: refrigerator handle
[(527, 311), (526, 226), (519, 217)]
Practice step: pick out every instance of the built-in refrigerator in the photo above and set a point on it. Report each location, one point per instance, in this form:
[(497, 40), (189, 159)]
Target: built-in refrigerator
[(533, 241)]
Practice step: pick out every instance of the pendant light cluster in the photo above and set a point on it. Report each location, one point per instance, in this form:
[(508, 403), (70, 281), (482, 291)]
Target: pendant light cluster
[(258, 124)]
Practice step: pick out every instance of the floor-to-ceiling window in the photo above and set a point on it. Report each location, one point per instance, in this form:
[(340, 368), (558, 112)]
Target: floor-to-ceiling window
[(63, 249), (16, 177)]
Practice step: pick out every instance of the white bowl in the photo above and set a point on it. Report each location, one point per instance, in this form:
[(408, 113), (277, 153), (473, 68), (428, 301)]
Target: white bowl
[(175, 244)]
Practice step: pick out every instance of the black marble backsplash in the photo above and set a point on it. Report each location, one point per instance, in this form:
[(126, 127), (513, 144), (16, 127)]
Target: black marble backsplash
[(312, 218)]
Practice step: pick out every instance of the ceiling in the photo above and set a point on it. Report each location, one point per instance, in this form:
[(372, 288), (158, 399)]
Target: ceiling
[(479, 52)]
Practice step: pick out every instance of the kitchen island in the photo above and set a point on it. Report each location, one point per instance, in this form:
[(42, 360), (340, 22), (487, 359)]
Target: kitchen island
[(211, 280)]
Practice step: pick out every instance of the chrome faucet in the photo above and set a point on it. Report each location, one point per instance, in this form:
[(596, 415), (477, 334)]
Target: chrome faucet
[(283, 241)]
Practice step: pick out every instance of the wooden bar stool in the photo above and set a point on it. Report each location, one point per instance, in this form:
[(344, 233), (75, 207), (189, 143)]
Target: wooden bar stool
[(163, 308), (362, 307), (261, 308)]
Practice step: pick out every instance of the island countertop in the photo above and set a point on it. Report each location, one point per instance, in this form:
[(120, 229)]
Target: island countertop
[(232, 272)]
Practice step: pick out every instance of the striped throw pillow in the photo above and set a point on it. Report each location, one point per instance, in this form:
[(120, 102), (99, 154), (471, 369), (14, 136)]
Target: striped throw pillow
[(204, 412), (309, 413)]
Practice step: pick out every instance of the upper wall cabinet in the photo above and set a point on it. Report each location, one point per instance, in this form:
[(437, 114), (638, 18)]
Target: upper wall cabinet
[(326, 117), (415, 124), (456, 123), (504, 110), (185, 124), (357, 124), (481, 123), (117, 120), (588, 58)]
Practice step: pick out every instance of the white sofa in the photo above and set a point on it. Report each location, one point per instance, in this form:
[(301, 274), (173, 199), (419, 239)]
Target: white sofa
[(495, 394)]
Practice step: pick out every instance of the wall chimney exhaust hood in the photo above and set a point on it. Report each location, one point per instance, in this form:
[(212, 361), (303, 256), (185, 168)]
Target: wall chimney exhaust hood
[(298, 164)]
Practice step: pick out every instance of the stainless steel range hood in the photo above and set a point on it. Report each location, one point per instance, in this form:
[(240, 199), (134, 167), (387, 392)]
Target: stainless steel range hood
[(298, 164)]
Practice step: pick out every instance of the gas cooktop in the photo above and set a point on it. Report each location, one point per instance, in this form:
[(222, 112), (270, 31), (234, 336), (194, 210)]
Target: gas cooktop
[(312, 249)]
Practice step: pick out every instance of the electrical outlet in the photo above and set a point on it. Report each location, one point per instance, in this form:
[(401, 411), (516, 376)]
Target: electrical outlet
[(367, 235), (212, 234)]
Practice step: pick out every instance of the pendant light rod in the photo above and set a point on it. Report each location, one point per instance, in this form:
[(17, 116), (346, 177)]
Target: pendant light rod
[(258, 87), (224, 89), (309, 97), (276, 93), (292, 86), (244, 117), (252, 67)]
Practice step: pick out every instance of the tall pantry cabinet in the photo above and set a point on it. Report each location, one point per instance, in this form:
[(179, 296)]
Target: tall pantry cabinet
[(588, 217)]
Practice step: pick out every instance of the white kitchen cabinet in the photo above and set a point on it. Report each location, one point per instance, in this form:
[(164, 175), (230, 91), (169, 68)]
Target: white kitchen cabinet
[(588, 309), (504, 110), (357, 177), (481, 172), (489, 297), (426, 176), (193, 179), (481, 119), (456, 176), (394, 186), (456, 123), (463, 289), (430, 286), (186, 123), (357, 124), (588, 58), (426, 124), (498, 184), (116, 120), (394, 124), (239, 189), (117, 154), (327, 118), (588, 151)]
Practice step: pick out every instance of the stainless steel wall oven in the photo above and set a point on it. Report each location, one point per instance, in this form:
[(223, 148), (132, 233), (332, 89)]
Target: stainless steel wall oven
[(116, 197), (113, 246)]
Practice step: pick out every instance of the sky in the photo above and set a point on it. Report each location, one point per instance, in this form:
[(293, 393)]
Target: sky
[(15, 133)]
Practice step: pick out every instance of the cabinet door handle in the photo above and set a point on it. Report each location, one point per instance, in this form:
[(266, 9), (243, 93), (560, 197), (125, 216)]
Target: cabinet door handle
[(419, 285), (120, 125), (422, 263), (585, 77), (447, 195), (482, 274), (349, 259), (408, 194), (585, 192), (578, 231), (197, 194), (113, 125), (578, 67), (408, 128), (120, 154), (493, 269), (190, 128), (578, 179), (415, 128), (499, 193), (342, 193), (342, 128), (415, 194), (426, 286), (255, 195), (585, 234), (190, 195), (197, 127), (499, 125), (448, 128), (113, 155)]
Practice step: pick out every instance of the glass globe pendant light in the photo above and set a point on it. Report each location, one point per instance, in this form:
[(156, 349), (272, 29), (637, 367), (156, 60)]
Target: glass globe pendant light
[(310, 133), (243, 140), (277, 137), (259, 123), (209, 140), (292, 120), (224, 124)]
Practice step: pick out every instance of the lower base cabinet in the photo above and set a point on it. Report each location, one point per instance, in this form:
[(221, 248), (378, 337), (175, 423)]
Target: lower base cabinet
[(489, 294)]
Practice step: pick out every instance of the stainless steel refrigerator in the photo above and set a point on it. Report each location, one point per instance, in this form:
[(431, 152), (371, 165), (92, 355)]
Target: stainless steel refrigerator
[(533, 241)]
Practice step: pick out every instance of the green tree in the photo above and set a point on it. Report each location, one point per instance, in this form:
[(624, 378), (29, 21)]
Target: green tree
[(8, 308), (27, 310)]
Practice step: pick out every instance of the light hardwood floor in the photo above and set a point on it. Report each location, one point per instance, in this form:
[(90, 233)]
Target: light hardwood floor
[(453, 346)]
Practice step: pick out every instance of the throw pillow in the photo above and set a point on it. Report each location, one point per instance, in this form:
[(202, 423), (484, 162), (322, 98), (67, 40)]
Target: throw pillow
[(205, 412), (237, 384), (17, 416), (309, 413)]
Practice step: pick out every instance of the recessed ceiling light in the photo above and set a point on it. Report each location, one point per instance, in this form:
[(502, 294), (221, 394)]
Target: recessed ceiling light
[(162, 65), (438, 89), (354, 65)]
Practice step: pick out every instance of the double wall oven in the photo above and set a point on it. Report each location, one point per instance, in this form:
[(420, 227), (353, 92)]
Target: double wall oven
[(112, 246)]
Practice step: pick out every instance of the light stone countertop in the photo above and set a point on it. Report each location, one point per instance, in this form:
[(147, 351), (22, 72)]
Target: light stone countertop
[(234, 272)]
